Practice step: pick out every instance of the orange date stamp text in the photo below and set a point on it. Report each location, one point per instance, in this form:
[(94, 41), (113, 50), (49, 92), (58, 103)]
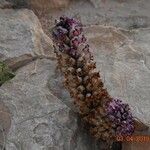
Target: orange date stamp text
[(133, 138)]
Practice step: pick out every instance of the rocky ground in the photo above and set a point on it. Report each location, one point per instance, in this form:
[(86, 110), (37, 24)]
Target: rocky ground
[(35, 110)]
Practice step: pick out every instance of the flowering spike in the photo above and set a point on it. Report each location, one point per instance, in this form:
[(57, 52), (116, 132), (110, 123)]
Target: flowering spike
[(105, 117)]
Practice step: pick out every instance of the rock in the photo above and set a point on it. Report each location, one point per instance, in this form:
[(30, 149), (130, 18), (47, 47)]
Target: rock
[(96, 3), (21, 35), (119, 13), (139, 126), (136, 146), (17, 62), (5, 122), (47, 5), (5, 4), (19, 3), (41, 105), (44, 5)]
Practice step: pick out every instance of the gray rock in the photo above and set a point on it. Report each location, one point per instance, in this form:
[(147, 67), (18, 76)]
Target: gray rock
[(5, 122), (44, 5), (119, 13), (47, 5), (19, 3), (20, 34), (96, 3), (5, 4)]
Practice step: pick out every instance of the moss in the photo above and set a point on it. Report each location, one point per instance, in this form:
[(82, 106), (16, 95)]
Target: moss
[(5, 73)]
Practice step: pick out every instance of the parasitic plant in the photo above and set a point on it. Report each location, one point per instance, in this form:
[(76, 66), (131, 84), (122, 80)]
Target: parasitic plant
[(105, 117)]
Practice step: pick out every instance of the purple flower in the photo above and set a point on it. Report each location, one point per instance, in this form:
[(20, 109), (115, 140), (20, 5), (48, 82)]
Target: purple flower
[(119, 113), (68, 31)]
